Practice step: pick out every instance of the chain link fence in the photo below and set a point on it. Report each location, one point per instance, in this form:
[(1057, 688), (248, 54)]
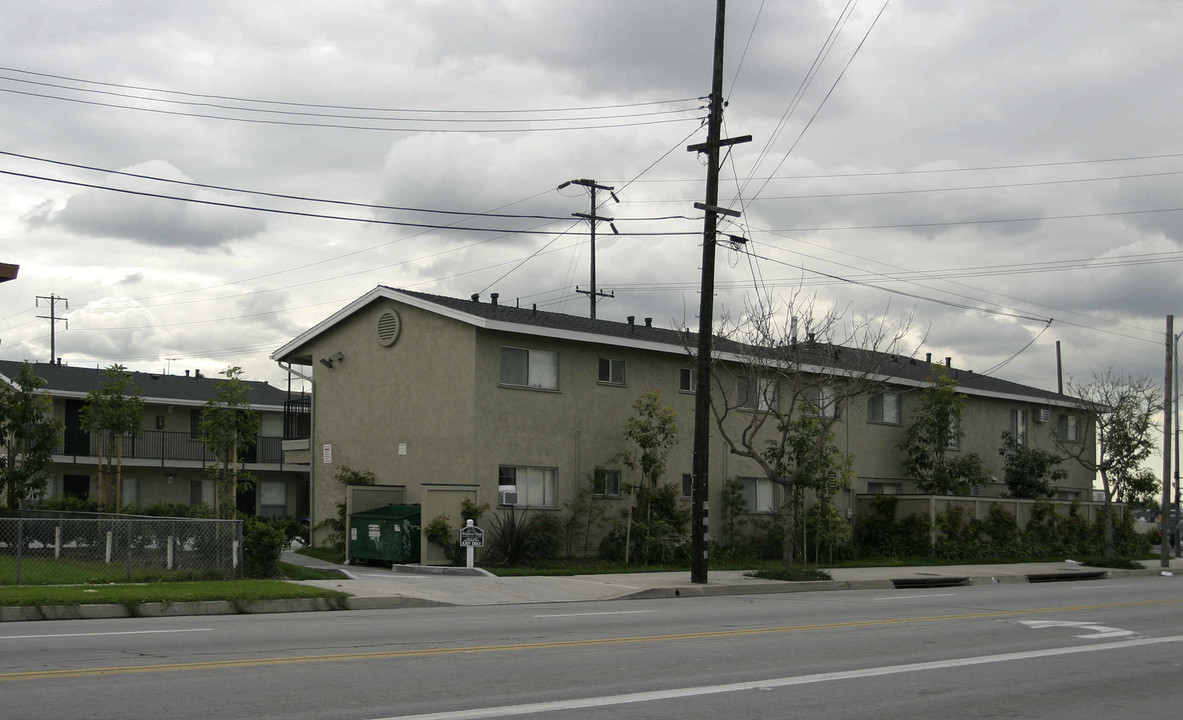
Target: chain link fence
[(67, 548)]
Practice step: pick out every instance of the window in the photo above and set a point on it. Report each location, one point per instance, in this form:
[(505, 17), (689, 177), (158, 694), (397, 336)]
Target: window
[(611, 371), (759, 494), (687, 485), (881, 488), (607, 482), (757, 394), (195, 422), (954, 440), (1068, 495), (530, 368), (688, 380), (822, 402), (534, 485), (884, 408), (1068, 428), (1018, 426), (273, 499)]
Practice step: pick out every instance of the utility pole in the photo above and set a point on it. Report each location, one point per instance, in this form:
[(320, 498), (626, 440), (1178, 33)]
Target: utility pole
[(1178, 516), (53, 321), (700, 485), (1165, 530), (592, 219)]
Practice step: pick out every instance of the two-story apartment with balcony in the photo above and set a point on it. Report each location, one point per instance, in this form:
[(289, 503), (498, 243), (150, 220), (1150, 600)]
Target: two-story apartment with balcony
[(446, 399), (165, 460)]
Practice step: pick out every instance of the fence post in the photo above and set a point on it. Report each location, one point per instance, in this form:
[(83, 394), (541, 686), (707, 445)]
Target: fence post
[(108, 557), (20, 545), (57, 542), (169, 554), (127, 545)]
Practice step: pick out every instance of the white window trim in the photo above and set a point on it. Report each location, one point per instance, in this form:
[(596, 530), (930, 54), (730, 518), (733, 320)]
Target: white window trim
[(692, 374), (770, 492), (606, 474), (766, 397), (550, 487), (613, 364), (531, 354), (883, 419)]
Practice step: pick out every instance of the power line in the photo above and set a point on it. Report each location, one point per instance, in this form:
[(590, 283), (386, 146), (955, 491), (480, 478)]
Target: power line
[(342, 126), (296, 213), (341, 107), (986, 221)]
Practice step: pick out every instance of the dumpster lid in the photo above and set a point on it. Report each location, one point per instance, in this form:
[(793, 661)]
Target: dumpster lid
[(387, 512)]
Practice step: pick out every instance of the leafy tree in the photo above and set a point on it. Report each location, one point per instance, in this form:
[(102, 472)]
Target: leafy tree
[(653, 430), (114, 410), (28, 435), (229, 427), (934, 430), (777, 400), (1029, 472), (1123, 410)]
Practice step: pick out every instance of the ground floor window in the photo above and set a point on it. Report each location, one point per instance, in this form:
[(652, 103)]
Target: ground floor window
[(759, 494), (533, 485), (273, 498), (76, 486), (607, 482), (882, 488)]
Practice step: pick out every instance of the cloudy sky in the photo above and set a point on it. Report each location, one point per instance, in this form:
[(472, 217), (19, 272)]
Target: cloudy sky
[(982, 166)]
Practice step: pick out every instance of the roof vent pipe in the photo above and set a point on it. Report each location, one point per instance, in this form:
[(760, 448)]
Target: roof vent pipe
[(476, 297), (632, 319), (186, 373), (534, 309), (649, 322), (928, 358), (493, 297), (948, 362)]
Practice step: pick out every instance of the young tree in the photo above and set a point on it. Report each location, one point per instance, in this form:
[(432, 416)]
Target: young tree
[(1029, 472), (28, 434), (776, 398), (114, 410), (1123, 409), (934, 430), (653, 430), (229, 427)]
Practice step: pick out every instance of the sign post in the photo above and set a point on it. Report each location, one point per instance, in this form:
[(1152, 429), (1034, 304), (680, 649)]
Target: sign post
[(471, 537)]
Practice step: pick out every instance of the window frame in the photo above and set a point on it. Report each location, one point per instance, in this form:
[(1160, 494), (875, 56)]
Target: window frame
[(752, 499), (1020, 425), (611, 364), (549, 479), (531, 354), (600, 483), (687, 485), (881, 488), (763, 384), (687, 380), (821, 401), (1065, 421), (880, 417)]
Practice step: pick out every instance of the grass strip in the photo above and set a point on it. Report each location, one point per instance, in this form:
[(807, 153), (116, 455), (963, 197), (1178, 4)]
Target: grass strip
[(236, 591)]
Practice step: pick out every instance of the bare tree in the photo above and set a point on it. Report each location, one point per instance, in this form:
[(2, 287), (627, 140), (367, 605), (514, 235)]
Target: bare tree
[(781, 379), (1123, 409)]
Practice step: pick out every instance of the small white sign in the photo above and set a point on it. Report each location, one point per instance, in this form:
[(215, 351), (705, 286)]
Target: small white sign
[(352, 533), (402, 448), (328, 454), (375, 532)]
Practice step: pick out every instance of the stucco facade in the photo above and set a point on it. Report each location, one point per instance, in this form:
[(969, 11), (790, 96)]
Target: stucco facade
[(450, 408)]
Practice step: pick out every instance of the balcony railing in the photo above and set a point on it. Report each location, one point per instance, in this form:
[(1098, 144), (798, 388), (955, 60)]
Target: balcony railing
[(163, 445), (297, 418)]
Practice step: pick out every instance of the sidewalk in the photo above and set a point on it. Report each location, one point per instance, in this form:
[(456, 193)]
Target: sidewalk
[(375, 587), (411, 586)]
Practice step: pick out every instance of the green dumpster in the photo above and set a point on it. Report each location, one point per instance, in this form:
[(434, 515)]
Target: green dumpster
[(389, 534)]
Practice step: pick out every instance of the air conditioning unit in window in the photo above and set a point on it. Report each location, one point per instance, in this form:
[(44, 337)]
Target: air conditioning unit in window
[(1043, 415), (507, 497)]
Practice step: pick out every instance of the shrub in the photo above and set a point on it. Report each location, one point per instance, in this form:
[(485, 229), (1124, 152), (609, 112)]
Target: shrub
[(519, 537), (262, 545)]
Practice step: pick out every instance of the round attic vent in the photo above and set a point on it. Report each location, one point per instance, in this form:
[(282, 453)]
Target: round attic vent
[(388, 328)]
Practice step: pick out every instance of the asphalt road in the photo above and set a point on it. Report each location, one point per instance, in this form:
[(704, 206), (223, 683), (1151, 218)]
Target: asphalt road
[(1059, 650)]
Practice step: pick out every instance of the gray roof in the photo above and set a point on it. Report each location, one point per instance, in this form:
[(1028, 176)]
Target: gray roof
[(820, 354), (69, 380)]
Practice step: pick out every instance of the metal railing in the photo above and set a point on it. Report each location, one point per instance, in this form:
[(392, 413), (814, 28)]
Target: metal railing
[(78, 548), (161, 445)]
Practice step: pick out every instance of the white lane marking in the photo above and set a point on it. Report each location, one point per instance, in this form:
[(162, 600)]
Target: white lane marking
[(913, 597), (594, 702), (615, 612), (100, 634), (1099, 632)]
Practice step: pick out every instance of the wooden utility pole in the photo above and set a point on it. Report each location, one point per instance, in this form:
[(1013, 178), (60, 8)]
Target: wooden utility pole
[(53, 321), (1165, 530), (700, 485), (592, 221)]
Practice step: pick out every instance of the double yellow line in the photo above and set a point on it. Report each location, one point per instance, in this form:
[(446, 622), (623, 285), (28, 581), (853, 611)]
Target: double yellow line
[(428, 652)]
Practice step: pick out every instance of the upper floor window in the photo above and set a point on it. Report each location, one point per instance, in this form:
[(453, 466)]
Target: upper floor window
[(688, 380), (1018, 425), (611, 371), (882, 488), (1068, 428), (521, 367), (884, 408), (821, 401), (757, 394), (687, 485)]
